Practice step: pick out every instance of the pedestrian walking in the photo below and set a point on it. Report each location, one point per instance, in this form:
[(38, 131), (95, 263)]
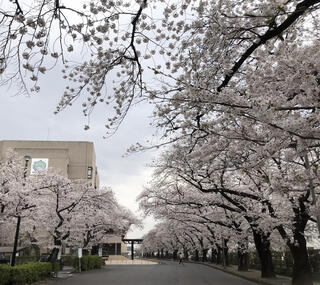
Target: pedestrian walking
[(181, 258)]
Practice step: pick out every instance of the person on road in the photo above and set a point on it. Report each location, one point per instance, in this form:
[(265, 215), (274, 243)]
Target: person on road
[(181, 258)]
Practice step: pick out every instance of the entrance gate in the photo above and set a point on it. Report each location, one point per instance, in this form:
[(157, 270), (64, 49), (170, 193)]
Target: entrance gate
[(132, 242)]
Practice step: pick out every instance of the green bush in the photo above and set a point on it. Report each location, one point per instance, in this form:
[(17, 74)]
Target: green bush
[(85, 263), (5, 274), (88, 262), (91, 262), (75, 263), (56, 267), (25, 273), (44, 269), (98, 262), (25, 259), (67, 260)]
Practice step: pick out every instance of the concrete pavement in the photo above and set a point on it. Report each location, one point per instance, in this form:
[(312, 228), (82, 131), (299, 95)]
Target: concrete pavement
[(165, 273)]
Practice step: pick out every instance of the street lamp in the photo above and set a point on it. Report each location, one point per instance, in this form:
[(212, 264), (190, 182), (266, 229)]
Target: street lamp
[(16, 238), (26, 159)]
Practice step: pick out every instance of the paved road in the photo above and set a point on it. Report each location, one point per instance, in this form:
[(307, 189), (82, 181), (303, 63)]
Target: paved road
[(167, 273)]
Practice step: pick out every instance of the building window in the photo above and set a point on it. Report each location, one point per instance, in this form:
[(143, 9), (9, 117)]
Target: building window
[(89, 172)]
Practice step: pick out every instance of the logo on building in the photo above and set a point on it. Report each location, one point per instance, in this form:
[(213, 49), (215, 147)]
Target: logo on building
[(39, 164)]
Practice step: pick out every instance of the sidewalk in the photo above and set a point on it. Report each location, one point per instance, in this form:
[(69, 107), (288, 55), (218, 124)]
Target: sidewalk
[(66, 272), (253, 275)]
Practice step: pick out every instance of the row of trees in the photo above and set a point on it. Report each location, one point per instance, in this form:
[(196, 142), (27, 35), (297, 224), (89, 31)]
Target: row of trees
[(220, 193), (242, 121), (55, 210), (236, 93)]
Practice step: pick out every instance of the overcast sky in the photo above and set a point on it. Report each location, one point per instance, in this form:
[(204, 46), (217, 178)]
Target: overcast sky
[(32, 118)]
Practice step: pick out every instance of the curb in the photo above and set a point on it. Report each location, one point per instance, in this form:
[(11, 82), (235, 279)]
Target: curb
[(259, 281), (234, 273)]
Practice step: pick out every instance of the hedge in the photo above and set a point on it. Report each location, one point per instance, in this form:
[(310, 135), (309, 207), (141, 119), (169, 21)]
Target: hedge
[(25, 273), (26, 259), (88, 262), (67, 260), (5, 274)]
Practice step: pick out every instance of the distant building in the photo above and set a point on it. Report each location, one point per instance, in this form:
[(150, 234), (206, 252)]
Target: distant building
[(76, 159), (113, 246)]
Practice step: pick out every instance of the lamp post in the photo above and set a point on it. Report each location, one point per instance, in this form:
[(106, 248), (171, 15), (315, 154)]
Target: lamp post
[(16, 238)]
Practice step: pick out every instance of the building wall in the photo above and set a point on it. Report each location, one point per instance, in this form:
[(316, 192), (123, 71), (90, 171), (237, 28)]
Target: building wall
[(116, 240), (73, 158)]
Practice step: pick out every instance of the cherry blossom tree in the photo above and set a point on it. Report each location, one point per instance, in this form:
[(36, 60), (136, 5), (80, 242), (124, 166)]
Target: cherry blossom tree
[(16, 198), (239, 204), (16, 189), (181, 43), (179, 203), (59, 199), (79, 215), (99, 217), (271, 192)]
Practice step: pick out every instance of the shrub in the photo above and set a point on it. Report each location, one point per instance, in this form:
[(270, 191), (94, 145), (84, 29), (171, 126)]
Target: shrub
[(88, 262), (56, 267), (98, 262), (67, 260), (75, 263), (5, 274), (44, 269), (85, 263), (25, 259), (25, 273)]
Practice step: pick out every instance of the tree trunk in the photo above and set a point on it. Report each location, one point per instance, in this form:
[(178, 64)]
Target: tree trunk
[(213, 255), (301, 271), (196, 257), (225, 253), (219, 256), (175, 254), (53, 255), (54, 252), (262, 244), (186, 255), (204, 255), (242, 260)]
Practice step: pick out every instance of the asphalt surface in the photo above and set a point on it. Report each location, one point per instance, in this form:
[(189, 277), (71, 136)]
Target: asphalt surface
[(166, 273)]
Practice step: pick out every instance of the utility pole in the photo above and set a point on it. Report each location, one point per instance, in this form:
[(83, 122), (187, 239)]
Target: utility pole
[(16, 238)]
